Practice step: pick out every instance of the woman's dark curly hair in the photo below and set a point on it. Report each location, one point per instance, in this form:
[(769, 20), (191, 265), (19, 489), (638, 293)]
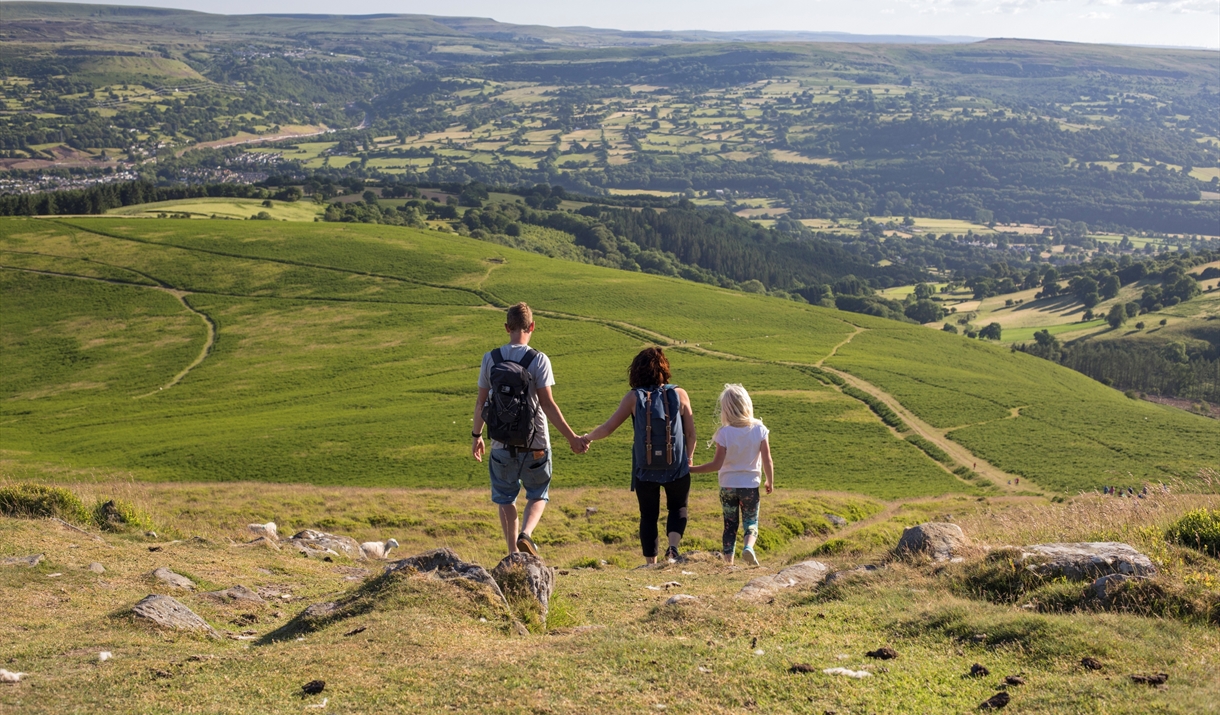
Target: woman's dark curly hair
[(649, 368)]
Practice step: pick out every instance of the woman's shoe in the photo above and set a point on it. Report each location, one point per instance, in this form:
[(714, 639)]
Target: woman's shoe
[(749, 557), (671, 554)]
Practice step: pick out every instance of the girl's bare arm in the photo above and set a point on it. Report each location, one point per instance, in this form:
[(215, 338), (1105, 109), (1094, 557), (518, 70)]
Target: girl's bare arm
[(767, 465), (625, 408), (712, 466), (688, 423)]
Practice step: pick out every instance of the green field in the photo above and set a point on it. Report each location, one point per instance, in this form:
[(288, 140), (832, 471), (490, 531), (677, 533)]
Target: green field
[(347, 354), (225, 208)]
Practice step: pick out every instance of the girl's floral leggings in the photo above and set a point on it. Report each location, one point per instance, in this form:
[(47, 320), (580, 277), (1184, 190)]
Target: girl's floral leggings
[(739, 505)]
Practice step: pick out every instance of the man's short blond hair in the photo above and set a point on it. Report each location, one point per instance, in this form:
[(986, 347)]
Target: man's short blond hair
[(519, 317)]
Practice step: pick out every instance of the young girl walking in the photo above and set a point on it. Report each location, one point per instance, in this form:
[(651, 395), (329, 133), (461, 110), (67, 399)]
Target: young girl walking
[(743, 457)]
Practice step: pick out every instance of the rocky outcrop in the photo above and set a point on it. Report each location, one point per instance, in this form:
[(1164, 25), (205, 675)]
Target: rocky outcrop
[(1104, 588), (166, 576), (836, 519), (523, 575), (1086, 560), (320, 544), (30, 561), (166, 612), (236, 594), (446, 565), (764, 588), (940, 540)]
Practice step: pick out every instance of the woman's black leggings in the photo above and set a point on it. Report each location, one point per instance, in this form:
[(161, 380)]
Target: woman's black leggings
[(649, 496)]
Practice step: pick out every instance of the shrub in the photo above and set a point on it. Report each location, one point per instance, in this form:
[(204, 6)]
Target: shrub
[(118, 515), (930, 449), (34, 501), (882, 410), (1198, 529)]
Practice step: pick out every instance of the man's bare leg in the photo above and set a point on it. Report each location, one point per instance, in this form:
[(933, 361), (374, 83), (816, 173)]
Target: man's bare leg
[(533, 514), (509, 524)]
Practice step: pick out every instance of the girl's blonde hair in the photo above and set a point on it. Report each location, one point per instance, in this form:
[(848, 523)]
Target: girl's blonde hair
[(735, 408)]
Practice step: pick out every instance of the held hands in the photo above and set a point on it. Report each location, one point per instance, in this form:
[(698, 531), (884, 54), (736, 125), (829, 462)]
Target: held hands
[(580, 444)]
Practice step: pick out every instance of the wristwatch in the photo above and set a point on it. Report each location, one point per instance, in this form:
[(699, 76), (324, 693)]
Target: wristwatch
[(476, 435)]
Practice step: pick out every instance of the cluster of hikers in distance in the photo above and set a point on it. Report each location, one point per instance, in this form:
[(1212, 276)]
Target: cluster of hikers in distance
[(515, 401)]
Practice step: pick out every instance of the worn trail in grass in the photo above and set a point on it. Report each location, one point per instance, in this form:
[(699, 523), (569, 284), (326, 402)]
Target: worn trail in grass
[(345, 354)]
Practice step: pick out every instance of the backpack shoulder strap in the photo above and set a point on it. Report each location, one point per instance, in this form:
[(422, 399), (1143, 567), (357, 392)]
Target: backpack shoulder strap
[(497, 356), (528, 358)]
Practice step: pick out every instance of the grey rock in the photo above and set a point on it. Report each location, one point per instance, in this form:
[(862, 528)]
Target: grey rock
[(327, 544), (1103, 588), (939, 540), (166, 612), (446, 565), (526, 572), (29, 561), (95, 567), (680, 598), (836, 519), (265, 542), (1087, 560), (176, 580), (763, 588), (320, 610), (235, 594), (859, 571)]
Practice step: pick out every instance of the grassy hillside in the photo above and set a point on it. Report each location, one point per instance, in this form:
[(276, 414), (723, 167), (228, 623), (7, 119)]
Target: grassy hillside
[(347, 354), (610, 645)]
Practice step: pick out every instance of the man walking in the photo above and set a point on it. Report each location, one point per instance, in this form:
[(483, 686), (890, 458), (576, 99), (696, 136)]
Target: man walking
[(514, 402)]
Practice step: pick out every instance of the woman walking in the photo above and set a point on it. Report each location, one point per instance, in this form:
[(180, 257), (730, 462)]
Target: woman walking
[(664, 440)]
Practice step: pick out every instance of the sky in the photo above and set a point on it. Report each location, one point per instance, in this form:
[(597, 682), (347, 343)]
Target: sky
[(1193, 23)]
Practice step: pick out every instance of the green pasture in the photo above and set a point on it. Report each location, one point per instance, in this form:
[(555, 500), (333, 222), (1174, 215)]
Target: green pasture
[(347, 354), (225, 208)]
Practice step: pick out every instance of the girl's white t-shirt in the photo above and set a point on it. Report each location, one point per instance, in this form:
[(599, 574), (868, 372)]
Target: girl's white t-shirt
[(742, 467)]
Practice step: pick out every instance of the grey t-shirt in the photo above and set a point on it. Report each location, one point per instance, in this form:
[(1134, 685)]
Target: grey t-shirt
[(543, 377)]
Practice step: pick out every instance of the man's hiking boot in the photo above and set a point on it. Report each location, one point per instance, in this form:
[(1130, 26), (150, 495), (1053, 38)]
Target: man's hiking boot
[(526, 544), (671, 554), (749, 557)]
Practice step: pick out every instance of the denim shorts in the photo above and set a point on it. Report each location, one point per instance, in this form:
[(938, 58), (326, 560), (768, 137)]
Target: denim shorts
[(509, 473)]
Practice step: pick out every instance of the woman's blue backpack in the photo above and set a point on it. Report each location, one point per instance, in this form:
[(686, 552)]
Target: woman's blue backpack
[(659, 454)]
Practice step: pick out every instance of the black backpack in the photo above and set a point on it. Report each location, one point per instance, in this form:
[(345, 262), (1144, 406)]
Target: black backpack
[(509, 411)]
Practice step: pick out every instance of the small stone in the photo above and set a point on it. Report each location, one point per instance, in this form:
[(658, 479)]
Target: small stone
[(836, 519), (166, 612), (979, 671), (176, 580), (235, 594), (671, 584), (590, 511), (801, 668), (151, 534), (885, 653), (759, 651), (9, 677), (1153, 679), (1091, 663), (54, 575), (978, 638), (104, 656), (680, 598), (95, 567), (1014, 680), (314, 687), (995, 702)]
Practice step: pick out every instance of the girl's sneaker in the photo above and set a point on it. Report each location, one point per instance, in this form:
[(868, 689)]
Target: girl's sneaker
[(747, 555), (671, 554)]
